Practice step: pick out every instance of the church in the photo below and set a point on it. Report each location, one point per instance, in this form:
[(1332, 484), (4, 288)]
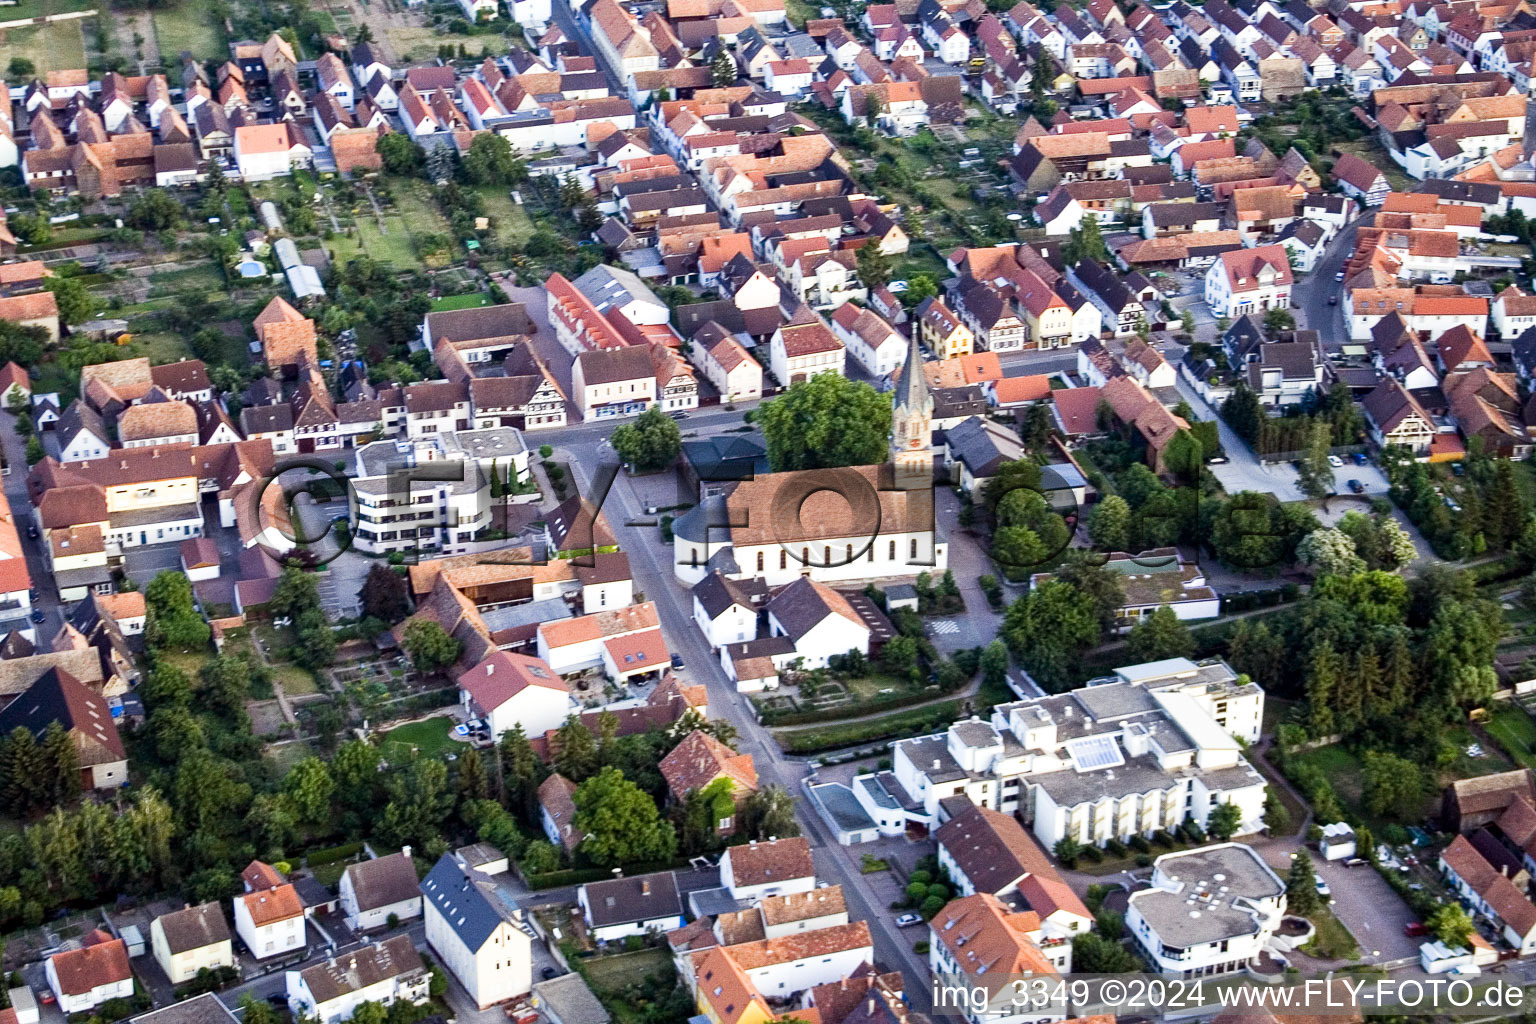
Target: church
[(833, 525)]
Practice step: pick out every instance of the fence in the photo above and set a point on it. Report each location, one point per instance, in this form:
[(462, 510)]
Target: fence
[(1340, 450)]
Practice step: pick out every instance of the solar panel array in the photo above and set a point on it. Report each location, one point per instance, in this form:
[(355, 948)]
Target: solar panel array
[(1094, 752)]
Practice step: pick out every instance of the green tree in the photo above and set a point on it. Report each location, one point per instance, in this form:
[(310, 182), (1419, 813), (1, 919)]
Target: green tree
[(491, 160), (155, 210), (919, 287), (1184, 455), (1085, 242), (1049, 629), (649, 443), (994, 664), (1450, 924), (874, 266), (23, 773), (1092, 953), (1223, 821), (400, 155), (1279, 319), (620, 822), (540, 857), (1161, 635), (575, 750), (308, 787), (1244, 413), (430, 647), (20, 67), (1102, 586), (824, 422), (171, 619), (419, 802), (722, 70), (296, 593), (520, 770), (385, 595), (899, 656), (1276, 818), (1109, 524), (1329, 552), (1301, 885), (34, 451), (75, 302), (768, 813), (1393, 786), (1315, 478)]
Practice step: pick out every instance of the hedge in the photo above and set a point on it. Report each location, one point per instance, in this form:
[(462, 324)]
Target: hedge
[(897, 726), (332, 854), (851, 711)]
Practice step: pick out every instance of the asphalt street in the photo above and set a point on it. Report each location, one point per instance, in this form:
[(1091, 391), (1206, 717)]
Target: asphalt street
[(651, 564)]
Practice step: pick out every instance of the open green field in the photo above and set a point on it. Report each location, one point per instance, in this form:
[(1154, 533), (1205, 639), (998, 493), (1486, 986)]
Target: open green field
[(511, 220), (191, 26), (58, 46), (452, 302), (41, 8), (393, 248), (430, 738), (295, 680), (1514, 731), (286, 755), (612, 973)]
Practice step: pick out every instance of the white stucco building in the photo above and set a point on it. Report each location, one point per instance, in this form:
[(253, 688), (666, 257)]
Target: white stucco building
[(1209, 911), (484, 943)]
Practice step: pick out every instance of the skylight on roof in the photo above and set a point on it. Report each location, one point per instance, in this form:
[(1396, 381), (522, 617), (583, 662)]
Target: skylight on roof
[(1094, 752)]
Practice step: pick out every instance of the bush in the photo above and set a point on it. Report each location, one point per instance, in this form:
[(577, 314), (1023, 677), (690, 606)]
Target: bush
[(1143, 860), (332, 854), (1115, 848), (1093, 853), (1140, 844), (920, 946)]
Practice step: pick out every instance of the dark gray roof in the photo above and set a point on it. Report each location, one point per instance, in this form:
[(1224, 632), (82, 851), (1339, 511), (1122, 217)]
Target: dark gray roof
[(627, 900), (265, 419), (716, 593), (799, 607), (467, 901), (77, 417), (983, 446)]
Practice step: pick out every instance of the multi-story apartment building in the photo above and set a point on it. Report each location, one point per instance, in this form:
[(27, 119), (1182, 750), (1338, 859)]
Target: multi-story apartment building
[(1209, 911), (432, 493), (1128, 755)]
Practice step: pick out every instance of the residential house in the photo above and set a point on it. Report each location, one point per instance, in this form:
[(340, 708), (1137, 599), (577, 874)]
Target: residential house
[(477, 936), (57, 696), (1249, 279), (381, 891), (759, 870), (385, 973), (85, 978), (190, 940), (507, 689), (633, 905)]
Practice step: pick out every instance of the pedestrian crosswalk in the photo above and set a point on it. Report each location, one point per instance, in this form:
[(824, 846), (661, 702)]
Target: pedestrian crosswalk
[(945, 626)]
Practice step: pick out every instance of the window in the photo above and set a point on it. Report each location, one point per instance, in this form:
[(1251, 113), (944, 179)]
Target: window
[(913, 555), (892, 556), (759, 561), (826, 554), (783, 558)]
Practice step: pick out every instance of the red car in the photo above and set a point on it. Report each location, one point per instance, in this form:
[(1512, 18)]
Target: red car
[(1413, 929)]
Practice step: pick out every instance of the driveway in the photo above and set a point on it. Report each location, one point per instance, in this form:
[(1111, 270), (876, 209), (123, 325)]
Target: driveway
[(1373, 913)]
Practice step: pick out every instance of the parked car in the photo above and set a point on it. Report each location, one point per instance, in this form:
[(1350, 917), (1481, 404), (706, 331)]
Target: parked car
[(38, 616), (548, 972), (1335, 462), (679, 415), (1414, 929), (1360, 459), (908, 920), (677, 661), (1322, 888), (1339, 277), (1357, 487)]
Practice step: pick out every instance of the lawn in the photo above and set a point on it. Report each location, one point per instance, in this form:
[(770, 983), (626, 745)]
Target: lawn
[(429, 737), (1514, 731), (58, 46), (1342, 769), (393, 248), (1332, 941), (897, 725), (295, 681), (286, 755), (510, 220), (39, 8), (612, 973), (451, 302), (189, 663), (188, 26)]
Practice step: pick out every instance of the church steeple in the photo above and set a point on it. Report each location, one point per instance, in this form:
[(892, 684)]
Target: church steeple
[(912, 415)]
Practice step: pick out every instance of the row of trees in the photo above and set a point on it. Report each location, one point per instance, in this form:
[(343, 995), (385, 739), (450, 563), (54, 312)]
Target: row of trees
[(1492, 514)]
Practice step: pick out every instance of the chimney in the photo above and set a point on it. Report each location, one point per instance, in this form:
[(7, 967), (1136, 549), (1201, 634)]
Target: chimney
[(645, 887)]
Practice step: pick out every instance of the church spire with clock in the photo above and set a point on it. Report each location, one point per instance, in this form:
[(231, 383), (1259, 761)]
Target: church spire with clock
[(912, 419)]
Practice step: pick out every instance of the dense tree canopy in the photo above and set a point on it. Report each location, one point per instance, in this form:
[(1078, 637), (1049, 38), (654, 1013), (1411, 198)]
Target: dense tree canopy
[(825, 422)]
